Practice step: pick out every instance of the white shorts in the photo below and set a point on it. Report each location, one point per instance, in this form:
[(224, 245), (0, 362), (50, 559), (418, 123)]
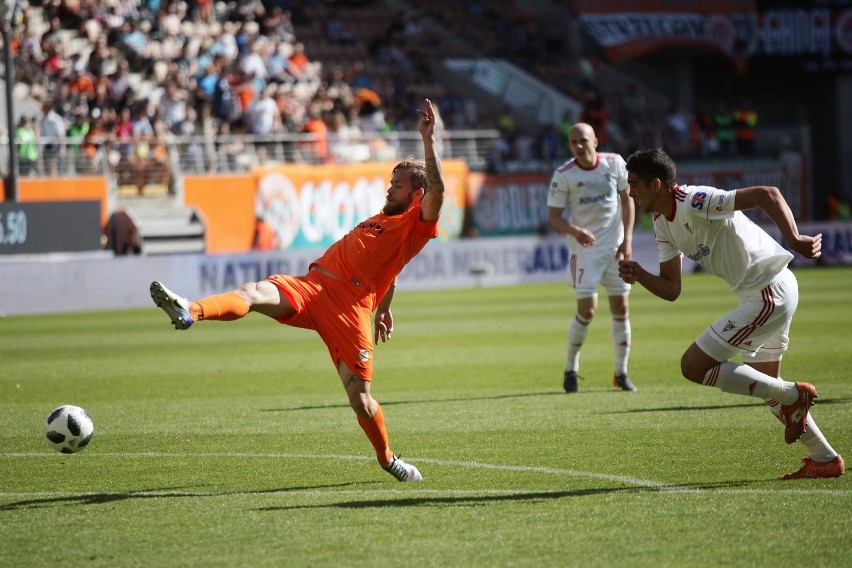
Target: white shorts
[(588, 271), (759, 328)]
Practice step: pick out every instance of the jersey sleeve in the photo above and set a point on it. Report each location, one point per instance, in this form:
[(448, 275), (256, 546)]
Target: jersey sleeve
[(710, 203), (558, 194), (426, 229)]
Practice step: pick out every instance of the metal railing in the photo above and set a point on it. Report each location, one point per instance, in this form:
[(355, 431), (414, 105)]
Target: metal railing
[(175, 156)]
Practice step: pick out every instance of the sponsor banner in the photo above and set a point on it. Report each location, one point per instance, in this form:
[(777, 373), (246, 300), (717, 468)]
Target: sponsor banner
[(504, 261), (314, 206), (821, 37), (502, 205), (630, 29), (34, 284), (821, 33)]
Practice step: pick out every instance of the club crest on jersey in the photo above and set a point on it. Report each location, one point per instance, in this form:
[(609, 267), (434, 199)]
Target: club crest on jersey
[(364, 355), (698, 200), (729, 326)]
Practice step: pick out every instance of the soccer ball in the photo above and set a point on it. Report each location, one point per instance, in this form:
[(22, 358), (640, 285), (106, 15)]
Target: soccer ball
[(69, 429)]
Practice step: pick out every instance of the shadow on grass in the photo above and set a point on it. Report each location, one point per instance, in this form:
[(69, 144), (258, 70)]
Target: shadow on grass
[(412, 501), (477, 500), (433, 401), (820, 402), (172, 493)]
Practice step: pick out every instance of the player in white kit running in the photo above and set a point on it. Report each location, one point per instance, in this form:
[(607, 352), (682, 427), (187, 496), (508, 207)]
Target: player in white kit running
[(707, 225), (599, 231)]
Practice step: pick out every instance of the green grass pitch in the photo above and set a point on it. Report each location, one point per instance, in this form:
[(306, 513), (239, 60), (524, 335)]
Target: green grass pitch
[(232, 444)]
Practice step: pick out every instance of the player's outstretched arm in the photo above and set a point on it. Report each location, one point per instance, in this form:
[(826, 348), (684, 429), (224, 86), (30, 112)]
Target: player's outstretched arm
[(666, 286), (772, 202), (430, 207)]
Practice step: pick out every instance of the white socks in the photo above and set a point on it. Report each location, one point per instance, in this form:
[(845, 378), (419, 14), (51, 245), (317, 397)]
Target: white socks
[(577, 332), (621, 342), (741, 379)]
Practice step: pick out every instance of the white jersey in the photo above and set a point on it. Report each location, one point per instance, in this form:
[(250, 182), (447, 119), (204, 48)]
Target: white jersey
[(591, 197), (707, 229)]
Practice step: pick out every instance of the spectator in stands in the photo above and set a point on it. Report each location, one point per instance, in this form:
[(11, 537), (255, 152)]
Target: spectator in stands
[(745, 122), (371, 116), (78, 130), (51, 129), (94, 143), (316, 149), (723, 124), (595, 115), (298, 63), (279, 24), (135, 45), (230, 154), (103, 59), (565, 126), (506, 120), (173, 103), (264, 120), (838, 207), (120, 83), (677, 132), (27, 142), (143, 139), (706, 130)]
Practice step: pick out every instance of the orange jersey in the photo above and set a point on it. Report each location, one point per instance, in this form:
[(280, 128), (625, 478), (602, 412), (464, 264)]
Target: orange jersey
[(372, 254)]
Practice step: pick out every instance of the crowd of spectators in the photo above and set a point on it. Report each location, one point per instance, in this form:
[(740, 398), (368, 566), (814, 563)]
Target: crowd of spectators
[(126, 76), (129, 76)]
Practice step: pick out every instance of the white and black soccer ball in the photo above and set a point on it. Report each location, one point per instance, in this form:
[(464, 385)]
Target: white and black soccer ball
[(69, 429)]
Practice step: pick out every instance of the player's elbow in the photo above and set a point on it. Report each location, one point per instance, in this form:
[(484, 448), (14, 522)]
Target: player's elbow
[(670, 293), (675, 294)]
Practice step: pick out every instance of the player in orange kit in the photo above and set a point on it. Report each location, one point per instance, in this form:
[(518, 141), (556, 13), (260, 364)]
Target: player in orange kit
[(345, 287)]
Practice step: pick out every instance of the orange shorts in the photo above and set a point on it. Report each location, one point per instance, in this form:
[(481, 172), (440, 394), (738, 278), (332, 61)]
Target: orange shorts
[(342, 317)]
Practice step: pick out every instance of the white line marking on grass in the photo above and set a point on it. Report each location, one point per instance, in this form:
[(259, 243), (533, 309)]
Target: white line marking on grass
[(627, 480), (520, 468)]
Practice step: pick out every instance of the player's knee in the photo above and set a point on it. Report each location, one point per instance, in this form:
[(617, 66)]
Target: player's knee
[(364, 407), (257, 293), (586, 315)]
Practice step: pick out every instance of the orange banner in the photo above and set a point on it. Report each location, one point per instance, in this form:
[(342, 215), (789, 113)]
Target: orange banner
[(314, 206), (292, 206), (64, 189)]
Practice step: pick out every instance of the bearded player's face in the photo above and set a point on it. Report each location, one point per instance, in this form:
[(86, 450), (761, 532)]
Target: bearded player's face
[(400, 193)]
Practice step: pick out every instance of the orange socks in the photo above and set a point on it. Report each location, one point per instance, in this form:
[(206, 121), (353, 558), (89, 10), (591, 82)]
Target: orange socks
[(374, 428), (223, 307)]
